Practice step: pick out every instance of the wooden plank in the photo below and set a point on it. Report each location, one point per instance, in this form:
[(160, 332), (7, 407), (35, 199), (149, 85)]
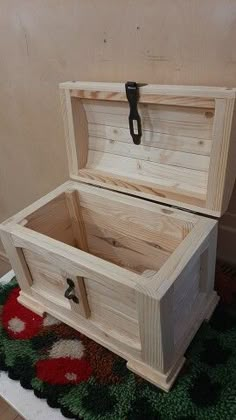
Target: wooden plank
[(111, 309), (164, 236), (80, 126), (17, 260), (151, 112), (150, 138), (36, 205), (156, 329), (112, 319), (128, 252), (187, 286), (101, 295), (207, 263), (186, 294), (67, 116), (214, 178), (52, 219), (73, 260), (194, 244), (133, 208), (176, 127), (182, 179), (150, 154), (107, 290), (230, 173), (152, 98), (202, 309), (223, 152), (177, 90), (144, 189), (47, 278), (50, 282), (77, 222)]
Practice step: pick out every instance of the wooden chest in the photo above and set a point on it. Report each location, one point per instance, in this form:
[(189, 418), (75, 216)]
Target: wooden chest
[(125, 251)]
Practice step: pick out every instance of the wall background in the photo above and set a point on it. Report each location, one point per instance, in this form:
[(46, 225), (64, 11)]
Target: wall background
[(45, 42)]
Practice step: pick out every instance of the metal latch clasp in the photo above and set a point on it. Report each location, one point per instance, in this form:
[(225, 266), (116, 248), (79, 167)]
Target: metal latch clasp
[(135, 126), (70, 291)]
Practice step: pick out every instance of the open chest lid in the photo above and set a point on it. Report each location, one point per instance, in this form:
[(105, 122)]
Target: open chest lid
[(187, 154)]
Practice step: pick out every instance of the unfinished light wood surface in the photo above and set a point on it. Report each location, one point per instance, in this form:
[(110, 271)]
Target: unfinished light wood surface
[(77, 223), (18, 263), (184, 156), (142, 272), (131, 261)]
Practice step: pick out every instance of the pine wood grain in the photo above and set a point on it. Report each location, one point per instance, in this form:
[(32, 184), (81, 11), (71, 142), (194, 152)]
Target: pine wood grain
[(152, 139), (175, 172), (137, 297)]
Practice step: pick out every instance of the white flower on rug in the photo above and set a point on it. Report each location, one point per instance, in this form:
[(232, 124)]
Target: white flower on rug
[(71, 376), (16, 325), (74, 349)]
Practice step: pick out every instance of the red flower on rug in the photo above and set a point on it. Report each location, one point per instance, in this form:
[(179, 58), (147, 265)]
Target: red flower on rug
[(18, 321), (63, 370), (65, 363)]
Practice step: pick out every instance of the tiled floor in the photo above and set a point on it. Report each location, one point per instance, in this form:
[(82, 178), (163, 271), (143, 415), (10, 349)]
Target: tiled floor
[(7, 412)]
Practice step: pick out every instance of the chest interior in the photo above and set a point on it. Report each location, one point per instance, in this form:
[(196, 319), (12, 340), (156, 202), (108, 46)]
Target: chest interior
[(172, 160), (138, 236)]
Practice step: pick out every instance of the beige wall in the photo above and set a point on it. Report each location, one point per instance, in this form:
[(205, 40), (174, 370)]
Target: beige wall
[(44, 42)]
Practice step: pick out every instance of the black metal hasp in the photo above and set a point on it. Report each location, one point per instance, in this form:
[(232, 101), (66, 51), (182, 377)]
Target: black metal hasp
[(135, 126), (69, 293)]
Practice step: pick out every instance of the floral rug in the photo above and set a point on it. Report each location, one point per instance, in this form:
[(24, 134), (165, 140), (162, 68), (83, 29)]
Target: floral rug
[(88, 382)]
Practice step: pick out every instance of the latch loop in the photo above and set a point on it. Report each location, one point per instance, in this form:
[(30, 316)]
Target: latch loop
[(135, 126), (69, 293)]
